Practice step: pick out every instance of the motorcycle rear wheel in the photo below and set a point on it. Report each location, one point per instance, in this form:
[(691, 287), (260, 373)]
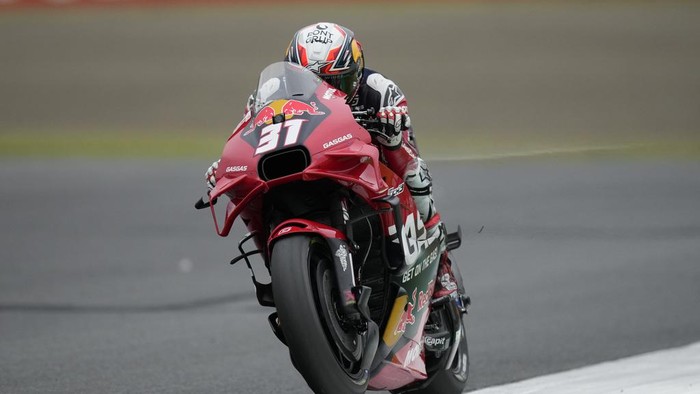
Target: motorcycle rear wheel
[(321, 348), (454, 379)]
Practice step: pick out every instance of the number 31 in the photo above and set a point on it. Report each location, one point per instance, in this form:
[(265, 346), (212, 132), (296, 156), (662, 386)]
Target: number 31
[(270, 135)]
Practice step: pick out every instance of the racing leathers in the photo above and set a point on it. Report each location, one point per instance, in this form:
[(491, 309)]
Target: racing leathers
[(399, 151)]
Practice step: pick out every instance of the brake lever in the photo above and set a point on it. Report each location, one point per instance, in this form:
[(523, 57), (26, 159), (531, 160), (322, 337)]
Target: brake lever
[(204, 202), (363, 118), (367, 112)]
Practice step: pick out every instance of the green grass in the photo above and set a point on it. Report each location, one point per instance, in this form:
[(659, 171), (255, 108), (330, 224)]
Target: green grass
[(207, 145), (505, 145), (110, 145)]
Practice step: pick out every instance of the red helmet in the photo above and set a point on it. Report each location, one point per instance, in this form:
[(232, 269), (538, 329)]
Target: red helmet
[(332, 52)]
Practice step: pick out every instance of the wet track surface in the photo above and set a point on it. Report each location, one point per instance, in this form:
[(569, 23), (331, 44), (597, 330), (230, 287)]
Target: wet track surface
[(111, 282)]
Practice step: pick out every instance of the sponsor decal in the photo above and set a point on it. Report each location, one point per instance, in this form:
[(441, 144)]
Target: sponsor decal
[(407, 318), (342, 254), (319, 34), (243, 122), (317, 66), (413, 354), (420, 267), (288, 108), (337, 141), (329, 93), (414, 240), (270, 135), (424, 297), (394, 95), (395, 191), (284, 231), (409, 237), (236, 168), (432, 342)]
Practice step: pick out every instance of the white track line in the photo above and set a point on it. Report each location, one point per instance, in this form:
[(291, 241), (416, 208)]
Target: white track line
[(671, 371), (541, 152)]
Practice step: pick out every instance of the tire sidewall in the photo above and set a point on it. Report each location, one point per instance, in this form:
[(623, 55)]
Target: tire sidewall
[(293, 282)]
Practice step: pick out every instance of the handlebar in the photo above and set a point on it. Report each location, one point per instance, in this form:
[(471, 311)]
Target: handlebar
[(366, 119), (367, 112)]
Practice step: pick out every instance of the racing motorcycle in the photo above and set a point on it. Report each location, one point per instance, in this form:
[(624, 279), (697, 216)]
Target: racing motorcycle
[(351, 265)]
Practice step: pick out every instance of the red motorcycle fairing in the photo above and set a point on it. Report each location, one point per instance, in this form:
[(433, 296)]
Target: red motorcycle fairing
[(296, 226), (319, 139), (400, 358), (342, 151)]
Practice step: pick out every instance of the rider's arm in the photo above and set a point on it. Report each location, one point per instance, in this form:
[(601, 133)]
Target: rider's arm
[(391, 107)]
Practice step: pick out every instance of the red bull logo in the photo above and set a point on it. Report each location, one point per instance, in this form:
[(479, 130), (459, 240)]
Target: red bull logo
[(407, 318), (424, 297), (288, 108)]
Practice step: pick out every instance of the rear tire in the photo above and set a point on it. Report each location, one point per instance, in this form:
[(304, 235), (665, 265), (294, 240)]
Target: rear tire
[(454, 379), (325, 353)]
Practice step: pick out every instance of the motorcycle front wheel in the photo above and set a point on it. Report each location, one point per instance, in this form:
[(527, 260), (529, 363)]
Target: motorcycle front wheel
[(324, 349)]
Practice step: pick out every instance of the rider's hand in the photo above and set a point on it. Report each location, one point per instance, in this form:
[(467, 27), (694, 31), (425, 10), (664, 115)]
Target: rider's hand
[(211, 175), (393, 120)]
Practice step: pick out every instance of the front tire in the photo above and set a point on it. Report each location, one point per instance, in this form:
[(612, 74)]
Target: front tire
[(323, 349)]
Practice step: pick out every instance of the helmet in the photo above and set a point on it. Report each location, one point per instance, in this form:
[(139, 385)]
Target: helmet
[(332, 52)]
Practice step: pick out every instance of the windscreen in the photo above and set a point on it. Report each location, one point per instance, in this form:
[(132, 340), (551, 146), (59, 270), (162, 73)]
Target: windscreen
[(284, 80)]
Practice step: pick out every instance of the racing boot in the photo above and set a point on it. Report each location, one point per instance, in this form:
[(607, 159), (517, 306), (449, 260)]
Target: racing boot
[(446, 284)]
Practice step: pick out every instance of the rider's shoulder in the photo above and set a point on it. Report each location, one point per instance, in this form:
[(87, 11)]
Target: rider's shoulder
[(376, 91), (376, 80)]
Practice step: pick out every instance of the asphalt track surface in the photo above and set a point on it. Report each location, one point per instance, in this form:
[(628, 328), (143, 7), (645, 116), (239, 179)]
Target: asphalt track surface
[(111, 282)]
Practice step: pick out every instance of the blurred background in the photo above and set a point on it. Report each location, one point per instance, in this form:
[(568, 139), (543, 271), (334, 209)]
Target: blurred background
[(563, 136), (481, 77)]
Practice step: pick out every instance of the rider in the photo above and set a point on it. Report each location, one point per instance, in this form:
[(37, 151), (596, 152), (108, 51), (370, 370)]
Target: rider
[(332, 52)]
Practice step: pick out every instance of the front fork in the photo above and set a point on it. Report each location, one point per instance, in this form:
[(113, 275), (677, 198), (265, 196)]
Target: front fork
[(352, 299)]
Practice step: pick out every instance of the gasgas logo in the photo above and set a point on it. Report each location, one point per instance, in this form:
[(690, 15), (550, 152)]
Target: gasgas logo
[(337, 141), (288, 108), (236, 168), (414, 238)]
